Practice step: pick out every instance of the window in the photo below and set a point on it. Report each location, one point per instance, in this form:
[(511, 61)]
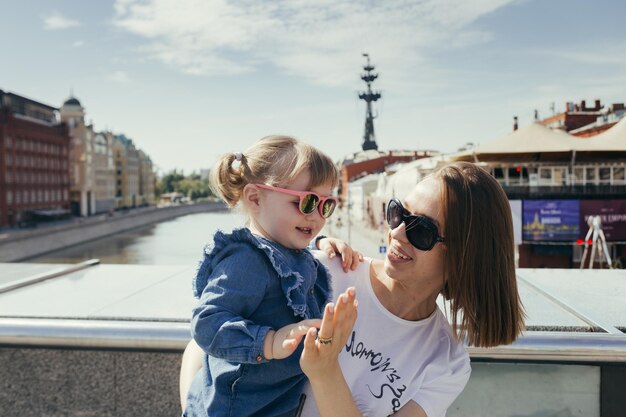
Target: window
[(545, 173), (517, 175), (618, 174), (579, 175), (605, 174), (9, 197), (591, 174), (559, 176)]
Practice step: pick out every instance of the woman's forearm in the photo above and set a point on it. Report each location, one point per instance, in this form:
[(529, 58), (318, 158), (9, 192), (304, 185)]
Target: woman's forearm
[(332, 395)]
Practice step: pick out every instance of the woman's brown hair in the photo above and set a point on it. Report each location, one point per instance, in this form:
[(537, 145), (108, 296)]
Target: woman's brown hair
[(274, 160), (480, 260)]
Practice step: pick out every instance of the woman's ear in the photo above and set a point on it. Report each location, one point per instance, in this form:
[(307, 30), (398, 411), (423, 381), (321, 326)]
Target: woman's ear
[(251, 197)]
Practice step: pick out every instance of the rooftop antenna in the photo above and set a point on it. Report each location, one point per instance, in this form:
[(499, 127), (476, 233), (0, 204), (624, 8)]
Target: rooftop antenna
[(595, 235), (369, 138)]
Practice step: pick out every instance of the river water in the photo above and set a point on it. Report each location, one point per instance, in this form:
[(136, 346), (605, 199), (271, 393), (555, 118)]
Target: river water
[(180, 241), (174, 242)]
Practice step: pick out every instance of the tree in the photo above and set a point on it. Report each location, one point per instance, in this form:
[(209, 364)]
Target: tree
[(192, 186)]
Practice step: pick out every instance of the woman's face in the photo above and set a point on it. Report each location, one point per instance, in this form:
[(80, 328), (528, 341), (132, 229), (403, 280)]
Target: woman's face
[(404, 262)]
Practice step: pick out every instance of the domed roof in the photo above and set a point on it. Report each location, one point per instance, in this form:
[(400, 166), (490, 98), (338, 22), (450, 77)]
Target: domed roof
[(72, 101)]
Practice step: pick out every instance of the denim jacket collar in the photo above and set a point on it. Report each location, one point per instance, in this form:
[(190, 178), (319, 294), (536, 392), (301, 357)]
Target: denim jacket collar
[(297, 269)]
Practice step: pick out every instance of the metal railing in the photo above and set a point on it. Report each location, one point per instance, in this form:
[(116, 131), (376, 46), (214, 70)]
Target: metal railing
[(138, 335)]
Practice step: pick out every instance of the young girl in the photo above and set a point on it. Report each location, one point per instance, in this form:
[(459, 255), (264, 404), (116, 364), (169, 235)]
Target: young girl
[(259, 289)]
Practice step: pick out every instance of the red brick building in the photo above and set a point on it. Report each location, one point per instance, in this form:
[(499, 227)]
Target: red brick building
[(613, 114), (371, 162), (34, 163), (574, 116)]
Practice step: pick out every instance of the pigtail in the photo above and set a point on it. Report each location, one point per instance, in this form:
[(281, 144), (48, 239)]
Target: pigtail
[(229, 177)]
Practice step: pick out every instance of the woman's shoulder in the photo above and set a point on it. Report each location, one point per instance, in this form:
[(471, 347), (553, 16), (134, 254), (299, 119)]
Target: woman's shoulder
[(334, 264), (342, 280)]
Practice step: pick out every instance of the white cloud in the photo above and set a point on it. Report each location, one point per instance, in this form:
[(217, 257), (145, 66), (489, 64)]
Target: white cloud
[(119, 77), (56, 21), (78, 44), (320, 40), (609, 55)]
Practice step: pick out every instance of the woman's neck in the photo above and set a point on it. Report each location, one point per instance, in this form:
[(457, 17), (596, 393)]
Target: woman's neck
[(409, 303)]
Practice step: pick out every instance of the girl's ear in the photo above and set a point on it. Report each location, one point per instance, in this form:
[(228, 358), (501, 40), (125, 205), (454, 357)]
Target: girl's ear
[(251, 197)]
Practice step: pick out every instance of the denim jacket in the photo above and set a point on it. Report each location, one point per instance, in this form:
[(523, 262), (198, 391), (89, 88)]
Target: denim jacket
[(246, 286)]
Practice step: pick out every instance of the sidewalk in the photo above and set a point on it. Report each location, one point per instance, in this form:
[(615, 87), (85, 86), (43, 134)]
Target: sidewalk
[(359, 235)]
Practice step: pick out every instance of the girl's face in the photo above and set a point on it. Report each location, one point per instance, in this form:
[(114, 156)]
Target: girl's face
[(277, 216), (404, 262)]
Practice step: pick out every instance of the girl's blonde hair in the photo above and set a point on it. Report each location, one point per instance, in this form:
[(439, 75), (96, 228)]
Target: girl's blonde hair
[(273, 160), (480, 263)]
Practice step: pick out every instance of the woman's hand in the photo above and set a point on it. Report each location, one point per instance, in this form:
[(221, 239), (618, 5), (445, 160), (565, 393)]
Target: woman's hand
[(350, 258), (283, 342), (320, 356)]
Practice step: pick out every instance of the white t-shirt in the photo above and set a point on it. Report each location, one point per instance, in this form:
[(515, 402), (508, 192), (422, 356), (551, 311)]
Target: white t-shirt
[(389, 361)]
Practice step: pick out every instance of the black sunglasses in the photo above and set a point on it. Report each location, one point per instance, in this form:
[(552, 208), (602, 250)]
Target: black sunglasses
[(421, 231)]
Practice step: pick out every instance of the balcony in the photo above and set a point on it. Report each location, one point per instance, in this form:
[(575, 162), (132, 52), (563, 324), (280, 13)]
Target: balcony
[(600, 191)]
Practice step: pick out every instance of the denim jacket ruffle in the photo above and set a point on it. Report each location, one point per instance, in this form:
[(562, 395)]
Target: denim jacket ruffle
[(282, 260)]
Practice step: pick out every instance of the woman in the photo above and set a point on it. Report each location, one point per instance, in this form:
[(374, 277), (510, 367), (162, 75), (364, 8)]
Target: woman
[(452, 235)]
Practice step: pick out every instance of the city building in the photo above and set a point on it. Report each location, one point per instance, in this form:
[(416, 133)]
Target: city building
[(585, 121), (126, 172), (104, 171), (560, 181), (147, 180), (574, 116), (34, 161), (607, 120), (360, 164), (82, 169)]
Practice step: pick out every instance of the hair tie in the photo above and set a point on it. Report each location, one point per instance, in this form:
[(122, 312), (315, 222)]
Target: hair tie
[(236, 164)]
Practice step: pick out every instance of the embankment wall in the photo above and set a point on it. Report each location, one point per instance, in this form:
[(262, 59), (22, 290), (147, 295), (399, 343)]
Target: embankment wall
[(41, 240)]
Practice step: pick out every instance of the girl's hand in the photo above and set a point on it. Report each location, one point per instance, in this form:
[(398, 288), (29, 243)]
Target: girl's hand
[(319, 358), (350, 258), (283, 342)]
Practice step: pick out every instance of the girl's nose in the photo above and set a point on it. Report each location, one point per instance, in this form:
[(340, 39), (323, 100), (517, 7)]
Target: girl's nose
[(312, 215)]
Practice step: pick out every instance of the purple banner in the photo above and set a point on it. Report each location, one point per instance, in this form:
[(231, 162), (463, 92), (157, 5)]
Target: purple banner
[(551, 220), (612, 214)]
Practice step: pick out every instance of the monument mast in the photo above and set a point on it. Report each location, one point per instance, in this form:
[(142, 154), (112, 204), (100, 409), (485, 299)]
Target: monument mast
[(369, 138)]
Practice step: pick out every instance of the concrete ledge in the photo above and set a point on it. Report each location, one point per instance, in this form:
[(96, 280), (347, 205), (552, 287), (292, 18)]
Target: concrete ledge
[(28, 244), (103, 383)]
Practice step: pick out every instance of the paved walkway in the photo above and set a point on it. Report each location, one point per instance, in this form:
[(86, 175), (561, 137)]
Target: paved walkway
[(356, 233)]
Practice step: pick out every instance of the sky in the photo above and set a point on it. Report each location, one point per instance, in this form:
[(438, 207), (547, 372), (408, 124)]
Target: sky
[(188, 80)]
